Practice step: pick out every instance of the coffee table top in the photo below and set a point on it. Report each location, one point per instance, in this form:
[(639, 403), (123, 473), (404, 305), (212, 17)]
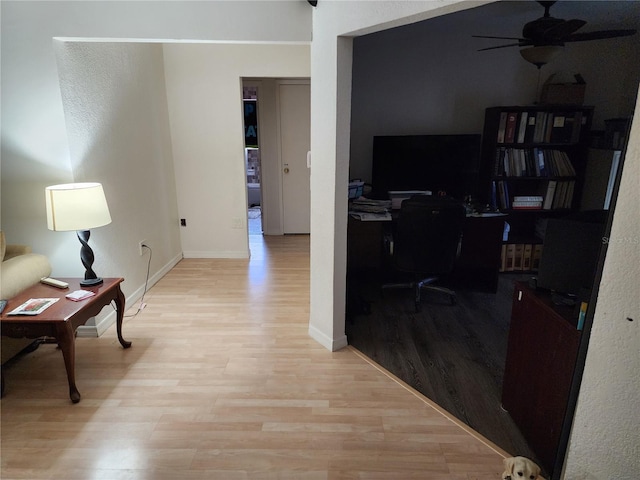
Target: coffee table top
[(63, 309)]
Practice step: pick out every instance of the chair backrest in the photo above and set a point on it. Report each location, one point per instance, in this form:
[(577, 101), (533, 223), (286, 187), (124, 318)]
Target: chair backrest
[(427, 234)]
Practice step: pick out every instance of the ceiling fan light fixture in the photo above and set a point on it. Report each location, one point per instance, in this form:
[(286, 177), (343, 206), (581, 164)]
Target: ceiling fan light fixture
[(540, 55)]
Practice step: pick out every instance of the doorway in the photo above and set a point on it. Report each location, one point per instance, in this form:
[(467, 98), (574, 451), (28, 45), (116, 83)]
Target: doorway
[(252, 163), (282, 116)]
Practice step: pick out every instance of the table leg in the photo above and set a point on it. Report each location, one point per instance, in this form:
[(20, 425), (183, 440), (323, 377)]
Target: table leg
[(120, 301), (66, 342)]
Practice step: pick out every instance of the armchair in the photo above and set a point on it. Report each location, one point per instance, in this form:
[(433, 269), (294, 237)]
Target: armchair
[(19, 269)]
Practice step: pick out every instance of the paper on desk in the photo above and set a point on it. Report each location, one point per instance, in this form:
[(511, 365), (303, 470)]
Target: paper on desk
[(371, 217), (79, 295), (33, 306)]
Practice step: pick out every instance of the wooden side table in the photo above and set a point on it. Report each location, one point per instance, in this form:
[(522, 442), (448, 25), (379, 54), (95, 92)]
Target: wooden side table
[(61, 319)]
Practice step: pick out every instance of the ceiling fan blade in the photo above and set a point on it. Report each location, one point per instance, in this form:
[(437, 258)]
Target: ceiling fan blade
[(562, 30), (599, 35), (497, 38), (519, 44)]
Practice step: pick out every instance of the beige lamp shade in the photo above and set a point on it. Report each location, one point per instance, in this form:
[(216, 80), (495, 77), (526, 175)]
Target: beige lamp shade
[(76, 206)]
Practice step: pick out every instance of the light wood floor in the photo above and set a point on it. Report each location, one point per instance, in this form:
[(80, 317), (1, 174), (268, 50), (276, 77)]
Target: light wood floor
[(223, 382)]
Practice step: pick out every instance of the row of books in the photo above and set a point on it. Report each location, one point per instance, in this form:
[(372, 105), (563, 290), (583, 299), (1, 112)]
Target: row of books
[(558, 195), (532, 162), (539, 127), (520, 257)]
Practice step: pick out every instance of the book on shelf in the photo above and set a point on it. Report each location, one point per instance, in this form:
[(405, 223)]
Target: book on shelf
[(522, 127), (503, 195), (563, 196), (533, 202), (548, 198), (554, 127), (502, 126), (510, 128), (518, 251), (527, 198), (527, 256), (536, 255), (526, 205), (516, 257), (531, 127), (33, 306), (510, 257), (532, 162)]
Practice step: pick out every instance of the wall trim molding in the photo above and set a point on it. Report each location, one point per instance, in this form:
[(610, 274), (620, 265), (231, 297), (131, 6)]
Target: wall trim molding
[(102, 324), (328, 342), (225, 254)]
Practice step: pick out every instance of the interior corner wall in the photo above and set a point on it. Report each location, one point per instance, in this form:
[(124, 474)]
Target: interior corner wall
[(205, 109), (604, 439), (118, 127)]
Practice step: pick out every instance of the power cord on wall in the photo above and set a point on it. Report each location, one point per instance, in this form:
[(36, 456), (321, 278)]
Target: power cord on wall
[(146, 284)]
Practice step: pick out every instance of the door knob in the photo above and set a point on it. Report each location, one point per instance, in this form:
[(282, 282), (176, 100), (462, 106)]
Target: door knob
[(286, 169)]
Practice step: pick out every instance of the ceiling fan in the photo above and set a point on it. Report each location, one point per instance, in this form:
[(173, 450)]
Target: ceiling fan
[(548, 31)]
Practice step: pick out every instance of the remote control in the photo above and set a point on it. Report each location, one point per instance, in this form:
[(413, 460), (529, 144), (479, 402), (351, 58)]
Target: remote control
[(53, 282)]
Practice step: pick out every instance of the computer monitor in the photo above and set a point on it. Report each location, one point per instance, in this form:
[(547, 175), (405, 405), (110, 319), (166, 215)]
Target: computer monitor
[(449, 163), (570, 253)]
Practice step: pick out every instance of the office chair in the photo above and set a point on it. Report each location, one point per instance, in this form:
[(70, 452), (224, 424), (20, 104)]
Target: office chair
[(426, 242)]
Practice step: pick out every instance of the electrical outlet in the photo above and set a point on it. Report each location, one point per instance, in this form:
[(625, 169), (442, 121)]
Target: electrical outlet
[(141, 244), (236, 222)]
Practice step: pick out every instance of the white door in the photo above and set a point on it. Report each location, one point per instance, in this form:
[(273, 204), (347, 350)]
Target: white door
[(295, 132)]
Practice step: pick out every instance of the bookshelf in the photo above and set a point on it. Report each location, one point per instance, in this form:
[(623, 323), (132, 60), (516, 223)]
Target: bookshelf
[(533, 165)]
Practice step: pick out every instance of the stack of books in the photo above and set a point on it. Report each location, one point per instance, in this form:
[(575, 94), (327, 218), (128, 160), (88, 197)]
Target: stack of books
[(527, 202), (520, 257)]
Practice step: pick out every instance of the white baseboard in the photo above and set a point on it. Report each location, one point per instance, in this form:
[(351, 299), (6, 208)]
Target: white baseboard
[(328, 342), (226, 254), (104, 322)]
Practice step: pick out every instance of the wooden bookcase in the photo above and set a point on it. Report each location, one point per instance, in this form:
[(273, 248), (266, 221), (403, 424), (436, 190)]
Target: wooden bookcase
[(541, 357), (534, 154)]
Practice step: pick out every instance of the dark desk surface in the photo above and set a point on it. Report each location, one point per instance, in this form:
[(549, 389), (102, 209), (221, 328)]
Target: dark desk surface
[(477, 266)]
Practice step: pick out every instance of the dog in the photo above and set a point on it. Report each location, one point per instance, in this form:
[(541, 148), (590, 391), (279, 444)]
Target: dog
[(516, 468)]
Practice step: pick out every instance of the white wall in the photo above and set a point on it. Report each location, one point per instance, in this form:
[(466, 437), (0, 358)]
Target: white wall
[(610, 387), (204, 91), (117, 124), (604, 441)]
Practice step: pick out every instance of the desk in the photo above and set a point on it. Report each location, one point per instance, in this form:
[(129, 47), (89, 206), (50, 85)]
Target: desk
[(479, 261), (61, 319)]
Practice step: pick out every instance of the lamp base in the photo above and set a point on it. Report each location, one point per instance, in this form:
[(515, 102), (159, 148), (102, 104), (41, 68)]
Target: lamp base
[(92, 282)]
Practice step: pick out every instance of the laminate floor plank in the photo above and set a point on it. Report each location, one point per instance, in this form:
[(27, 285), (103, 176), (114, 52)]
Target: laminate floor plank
[(223, 381)]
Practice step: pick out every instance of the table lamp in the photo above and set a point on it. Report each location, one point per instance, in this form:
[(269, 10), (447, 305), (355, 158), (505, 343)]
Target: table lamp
[(80, 207)]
